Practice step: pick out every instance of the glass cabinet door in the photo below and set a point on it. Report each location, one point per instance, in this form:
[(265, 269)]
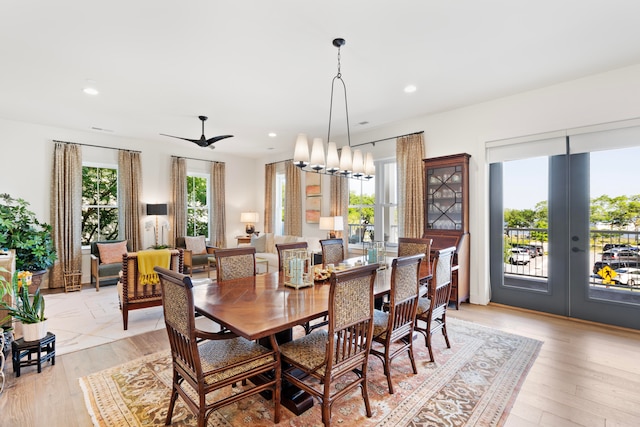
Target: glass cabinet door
[(445, 198)]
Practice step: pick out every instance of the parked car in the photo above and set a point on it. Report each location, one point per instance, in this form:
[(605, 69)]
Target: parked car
[(618, 254), (519, 256), (597, 266), (628, 276), (609, 246), (529, 248)]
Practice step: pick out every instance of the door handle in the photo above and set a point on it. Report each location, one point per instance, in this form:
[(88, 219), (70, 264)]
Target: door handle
[(575, 249)]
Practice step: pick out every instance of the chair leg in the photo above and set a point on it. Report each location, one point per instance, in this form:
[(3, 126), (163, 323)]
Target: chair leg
[(446, 336), (365, 395), (125, 316), (172, 402)]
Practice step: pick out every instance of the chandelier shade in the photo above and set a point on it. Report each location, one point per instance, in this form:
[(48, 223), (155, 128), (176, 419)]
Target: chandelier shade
[(359, 166)]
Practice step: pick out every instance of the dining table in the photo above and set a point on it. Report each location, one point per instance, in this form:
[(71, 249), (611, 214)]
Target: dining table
[(259, 306)]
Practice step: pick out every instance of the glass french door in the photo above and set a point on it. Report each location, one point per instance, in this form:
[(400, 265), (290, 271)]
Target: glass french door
[(565, 229)]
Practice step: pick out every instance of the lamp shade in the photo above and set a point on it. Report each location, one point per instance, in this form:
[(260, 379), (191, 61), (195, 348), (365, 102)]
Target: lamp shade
[(338, 223), (156, 209), (301, 153), (249, 217), (326, 223), (333, 161), (346, 166), (317, 155)]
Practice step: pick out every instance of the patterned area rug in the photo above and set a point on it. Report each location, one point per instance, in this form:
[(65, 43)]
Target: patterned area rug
[(472, 384)]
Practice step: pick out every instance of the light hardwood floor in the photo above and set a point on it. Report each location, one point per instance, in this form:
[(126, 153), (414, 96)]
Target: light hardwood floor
[(585, 375)]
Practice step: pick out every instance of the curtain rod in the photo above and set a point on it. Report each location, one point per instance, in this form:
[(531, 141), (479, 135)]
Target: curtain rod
[(97, 146), (387, 139), (200, 160), (279, 161)]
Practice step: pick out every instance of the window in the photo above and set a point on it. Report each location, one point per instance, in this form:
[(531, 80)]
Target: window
[(99, 204), (373, 206), (198, 205)]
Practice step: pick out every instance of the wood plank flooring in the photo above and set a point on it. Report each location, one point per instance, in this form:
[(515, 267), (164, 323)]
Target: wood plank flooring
[(586, 374)]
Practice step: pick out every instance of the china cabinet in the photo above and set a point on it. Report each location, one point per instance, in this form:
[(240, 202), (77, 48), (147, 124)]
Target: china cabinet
[(447, 214)]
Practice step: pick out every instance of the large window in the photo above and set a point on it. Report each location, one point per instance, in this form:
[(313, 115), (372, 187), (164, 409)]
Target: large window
[(373, 206), (198, 205), (99, 204)]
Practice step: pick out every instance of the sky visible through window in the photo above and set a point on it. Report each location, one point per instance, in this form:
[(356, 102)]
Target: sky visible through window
[(613, 172)]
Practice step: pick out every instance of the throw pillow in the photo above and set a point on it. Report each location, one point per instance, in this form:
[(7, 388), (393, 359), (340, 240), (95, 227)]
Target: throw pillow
[(112, 252), (196, 244), (260, 243)]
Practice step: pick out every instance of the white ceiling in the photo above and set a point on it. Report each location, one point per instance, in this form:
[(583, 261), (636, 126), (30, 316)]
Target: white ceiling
[(259, 66)]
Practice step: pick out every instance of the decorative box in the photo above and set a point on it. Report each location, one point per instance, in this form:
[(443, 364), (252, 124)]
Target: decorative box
[(298, 268)]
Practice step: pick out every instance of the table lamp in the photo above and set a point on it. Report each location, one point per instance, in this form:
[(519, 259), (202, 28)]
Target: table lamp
[(157, 209), (331, 224), (250, 218)]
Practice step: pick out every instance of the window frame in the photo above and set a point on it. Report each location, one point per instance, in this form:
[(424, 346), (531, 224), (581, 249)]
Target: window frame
[(206, 207), (99, 165)]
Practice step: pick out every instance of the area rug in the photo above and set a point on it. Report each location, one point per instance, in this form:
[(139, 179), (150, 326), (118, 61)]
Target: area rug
[(472, 384)]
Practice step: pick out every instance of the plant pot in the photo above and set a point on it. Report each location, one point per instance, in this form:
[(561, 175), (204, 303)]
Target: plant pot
[(34, 331)]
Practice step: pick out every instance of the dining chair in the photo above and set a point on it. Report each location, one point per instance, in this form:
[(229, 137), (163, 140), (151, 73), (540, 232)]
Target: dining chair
[(326, 356), (432, 309), (204, 362), (393, 329), (235, 263), (286, 246), (413, 246), (332, 251)]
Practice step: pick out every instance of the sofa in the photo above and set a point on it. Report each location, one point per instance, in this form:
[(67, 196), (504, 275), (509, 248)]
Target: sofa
[(106, 260), (134, 295), (266, 246)]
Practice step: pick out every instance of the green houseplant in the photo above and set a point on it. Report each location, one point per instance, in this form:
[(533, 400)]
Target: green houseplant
[(21, 230)]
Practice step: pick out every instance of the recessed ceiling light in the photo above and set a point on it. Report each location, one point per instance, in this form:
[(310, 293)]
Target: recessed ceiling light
[(273, 134), (90, 91), (410, 89)]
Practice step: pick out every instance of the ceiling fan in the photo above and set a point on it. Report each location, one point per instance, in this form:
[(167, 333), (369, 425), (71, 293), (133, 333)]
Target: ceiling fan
[(203, 141)]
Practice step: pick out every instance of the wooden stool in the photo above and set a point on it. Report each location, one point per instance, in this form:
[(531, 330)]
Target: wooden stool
[(21, 348)]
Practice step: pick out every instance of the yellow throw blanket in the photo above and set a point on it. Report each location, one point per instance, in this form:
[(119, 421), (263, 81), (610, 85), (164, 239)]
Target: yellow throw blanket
[(149, 259)]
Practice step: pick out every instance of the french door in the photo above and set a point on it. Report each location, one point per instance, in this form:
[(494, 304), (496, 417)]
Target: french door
[(547, 252)]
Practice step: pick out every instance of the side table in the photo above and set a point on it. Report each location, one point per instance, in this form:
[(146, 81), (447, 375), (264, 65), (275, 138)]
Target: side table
[(44, 349)]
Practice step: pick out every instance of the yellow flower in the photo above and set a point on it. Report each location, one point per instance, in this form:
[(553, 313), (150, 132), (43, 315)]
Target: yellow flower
[(24, 278)]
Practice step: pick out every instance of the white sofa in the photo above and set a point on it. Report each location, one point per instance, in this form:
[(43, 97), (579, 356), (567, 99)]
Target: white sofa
[(266, 246)]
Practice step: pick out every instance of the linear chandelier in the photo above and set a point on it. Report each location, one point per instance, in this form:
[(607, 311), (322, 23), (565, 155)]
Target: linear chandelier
[(347, 165)]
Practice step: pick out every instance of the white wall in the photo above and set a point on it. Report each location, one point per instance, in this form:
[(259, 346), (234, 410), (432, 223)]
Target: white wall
[(27, 161), (602, 98)]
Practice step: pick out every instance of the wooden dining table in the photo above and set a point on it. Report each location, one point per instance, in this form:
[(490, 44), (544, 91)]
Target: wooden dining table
[(259, 306)]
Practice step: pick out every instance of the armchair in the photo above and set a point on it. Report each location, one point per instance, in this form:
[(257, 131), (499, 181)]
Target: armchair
[(193, 260), (107, 266), (134, 295)]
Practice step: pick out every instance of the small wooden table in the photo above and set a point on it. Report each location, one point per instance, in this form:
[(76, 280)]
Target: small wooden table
[(21, 348)]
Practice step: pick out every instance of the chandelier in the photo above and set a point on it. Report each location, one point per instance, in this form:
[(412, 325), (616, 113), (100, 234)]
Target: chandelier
[(348, 163)]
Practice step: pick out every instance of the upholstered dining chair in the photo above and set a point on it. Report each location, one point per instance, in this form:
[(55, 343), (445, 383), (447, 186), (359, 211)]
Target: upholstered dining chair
[(393, 329), (205, 362), (328, 355), (413, 246), (432, 309), (286, 246), (332, 251), (235, 263)]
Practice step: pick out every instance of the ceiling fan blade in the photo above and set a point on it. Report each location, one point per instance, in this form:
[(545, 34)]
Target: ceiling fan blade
[(217, 138), (179, 137)]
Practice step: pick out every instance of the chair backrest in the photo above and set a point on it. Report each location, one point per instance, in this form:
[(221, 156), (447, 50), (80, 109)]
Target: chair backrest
[(440, 284), (350, 318), (179, 318), (130, 279), (332, 251), (286, 246), (235, 263), (414, 246), (404, 293)]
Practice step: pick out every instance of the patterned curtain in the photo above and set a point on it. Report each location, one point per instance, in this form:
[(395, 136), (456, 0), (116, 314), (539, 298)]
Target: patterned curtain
[(339, 200), (409, 155), (129, 205), (269, 196), (178, 203), (66, 211), (218, 209), (293, 200)]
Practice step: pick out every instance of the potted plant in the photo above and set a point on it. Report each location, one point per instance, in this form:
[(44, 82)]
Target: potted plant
[(25, 308), (31, 239)]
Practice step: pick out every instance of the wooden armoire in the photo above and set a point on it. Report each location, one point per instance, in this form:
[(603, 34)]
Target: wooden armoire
[(447, 214)]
